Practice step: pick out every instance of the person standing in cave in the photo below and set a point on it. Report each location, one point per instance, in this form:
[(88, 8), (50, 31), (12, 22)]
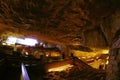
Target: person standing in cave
[(113, 68)]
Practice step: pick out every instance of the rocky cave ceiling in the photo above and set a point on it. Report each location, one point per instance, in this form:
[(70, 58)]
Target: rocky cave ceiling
[(64, 22)]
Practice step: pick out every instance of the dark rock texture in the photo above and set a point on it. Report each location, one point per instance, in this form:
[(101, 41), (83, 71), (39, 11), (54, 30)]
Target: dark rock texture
[(66, 22)]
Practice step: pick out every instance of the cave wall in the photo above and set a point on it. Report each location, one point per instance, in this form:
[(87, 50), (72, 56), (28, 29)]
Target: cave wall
[(110, 26), (102, 35), (113, 68), (95, 38), (66, 22)]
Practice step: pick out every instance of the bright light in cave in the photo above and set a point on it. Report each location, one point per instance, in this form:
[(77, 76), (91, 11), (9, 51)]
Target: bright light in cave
[(105, 51), (26, 41), (61, 68), (30, 41), (11, 40)]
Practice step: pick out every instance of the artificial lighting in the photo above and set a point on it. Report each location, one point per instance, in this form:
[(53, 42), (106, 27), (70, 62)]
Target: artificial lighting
[(11, 40), (26, 41), (26, 53), (107, 62), (105, 51), (60, 68), (30, 41)]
